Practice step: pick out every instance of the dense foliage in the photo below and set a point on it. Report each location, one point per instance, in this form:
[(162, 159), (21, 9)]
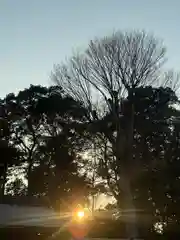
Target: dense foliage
[(37, 141)]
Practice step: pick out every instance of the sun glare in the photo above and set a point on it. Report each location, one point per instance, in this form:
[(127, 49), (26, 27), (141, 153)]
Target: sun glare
[(80, 214)]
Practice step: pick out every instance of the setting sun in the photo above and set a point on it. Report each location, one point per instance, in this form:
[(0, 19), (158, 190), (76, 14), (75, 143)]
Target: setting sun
[(80, 214)]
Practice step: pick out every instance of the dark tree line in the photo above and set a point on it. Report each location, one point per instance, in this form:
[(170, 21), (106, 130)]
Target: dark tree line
[(114, 102), (36, 139)]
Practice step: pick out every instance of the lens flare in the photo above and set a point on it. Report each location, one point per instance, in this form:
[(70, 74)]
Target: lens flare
[(80, 214)]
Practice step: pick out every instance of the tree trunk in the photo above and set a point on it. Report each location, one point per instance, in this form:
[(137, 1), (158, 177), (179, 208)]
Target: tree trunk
[(128, 208), (3, 178), (126, 179), (30, 182)]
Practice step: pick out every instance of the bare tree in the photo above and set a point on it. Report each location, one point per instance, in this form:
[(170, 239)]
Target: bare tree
[(110, 69)]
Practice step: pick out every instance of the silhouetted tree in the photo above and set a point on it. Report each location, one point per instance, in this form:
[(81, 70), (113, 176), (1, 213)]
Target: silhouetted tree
[(111, 69), (9, 155)]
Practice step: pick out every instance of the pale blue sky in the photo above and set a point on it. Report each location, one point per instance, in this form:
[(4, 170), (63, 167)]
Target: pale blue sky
[(35, 34)]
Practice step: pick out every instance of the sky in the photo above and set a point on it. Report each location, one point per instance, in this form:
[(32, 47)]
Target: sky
[(35, 34)]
